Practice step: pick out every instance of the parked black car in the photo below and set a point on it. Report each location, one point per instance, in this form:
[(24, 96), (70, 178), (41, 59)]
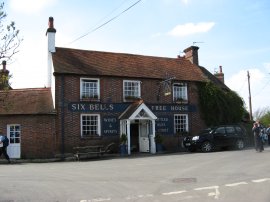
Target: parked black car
[(210, 139)]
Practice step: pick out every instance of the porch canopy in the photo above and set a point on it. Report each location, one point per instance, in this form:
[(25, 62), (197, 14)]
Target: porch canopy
[(138, 111)]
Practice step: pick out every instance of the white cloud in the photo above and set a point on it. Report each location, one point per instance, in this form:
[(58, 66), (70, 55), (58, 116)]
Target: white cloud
[(191, 28), (185, 1), (267, 67), (30, 6)]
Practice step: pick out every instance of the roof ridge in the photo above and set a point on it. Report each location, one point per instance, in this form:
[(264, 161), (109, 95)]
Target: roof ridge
[(28, 89), (122, 53)]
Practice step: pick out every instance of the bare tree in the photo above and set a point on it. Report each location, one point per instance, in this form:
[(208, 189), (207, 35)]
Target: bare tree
[(9, 44), (259, 113), (9, 37)]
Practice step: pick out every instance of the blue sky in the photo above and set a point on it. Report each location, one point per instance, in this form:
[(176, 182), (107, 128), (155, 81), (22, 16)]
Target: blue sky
[(233, 34)]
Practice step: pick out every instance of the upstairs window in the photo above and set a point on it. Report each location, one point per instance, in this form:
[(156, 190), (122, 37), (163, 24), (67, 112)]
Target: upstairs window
[(89, 88), (132, 89), (180, 92)]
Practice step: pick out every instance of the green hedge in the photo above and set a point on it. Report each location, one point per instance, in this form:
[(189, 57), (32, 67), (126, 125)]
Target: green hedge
[(220, 106)]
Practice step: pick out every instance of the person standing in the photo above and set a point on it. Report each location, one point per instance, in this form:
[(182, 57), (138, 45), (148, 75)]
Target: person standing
[(4, 142), (257, 138), (268, 133)]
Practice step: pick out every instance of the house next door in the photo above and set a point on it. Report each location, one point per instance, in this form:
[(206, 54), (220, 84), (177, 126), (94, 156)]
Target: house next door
[(14, 135)]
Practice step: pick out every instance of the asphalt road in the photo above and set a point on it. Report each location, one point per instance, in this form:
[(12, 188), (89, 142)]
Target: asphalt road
[(229, 176)]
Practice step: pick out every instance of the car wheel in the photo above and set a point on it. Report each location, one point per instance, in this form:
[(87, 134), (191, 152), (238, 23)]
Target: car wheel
[(207, 147), (239, 144)]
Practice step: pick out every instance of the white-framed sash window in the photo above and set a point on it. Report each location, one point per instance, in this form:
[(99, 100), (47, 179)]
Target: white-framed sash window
[(90, 88), (180, 123), (131, 89), (180, 92), (90, 125)]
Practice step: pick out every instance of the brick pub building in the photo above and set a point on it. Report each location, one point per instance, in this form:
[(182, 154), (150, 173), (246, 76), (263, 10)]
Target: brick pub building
[(93, 97)]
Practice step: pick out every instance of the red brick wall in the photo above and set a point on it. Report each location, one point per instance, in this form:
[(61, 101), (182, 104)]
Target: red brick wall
[(111, 91), (37, 134)]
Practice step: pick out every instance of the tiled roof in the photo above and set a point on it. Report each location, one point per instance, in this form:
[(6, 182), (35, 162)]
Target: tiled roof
[(213, 78), (26, 101), (131, 109), (96, 63)]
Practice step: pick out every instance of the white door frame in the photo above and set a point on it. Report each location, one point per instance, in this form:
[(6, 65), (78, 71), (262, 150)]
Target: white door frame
[(142, 112), (14, 135)]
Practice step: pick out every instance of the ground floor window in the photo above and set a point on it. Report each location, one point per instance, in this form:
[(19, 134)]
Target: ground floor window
[(90, 125), (180, 123)]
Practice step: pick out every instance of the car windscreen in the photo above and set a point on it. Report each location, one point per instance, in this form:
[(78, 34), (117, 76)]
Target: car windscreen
[(206, 131)]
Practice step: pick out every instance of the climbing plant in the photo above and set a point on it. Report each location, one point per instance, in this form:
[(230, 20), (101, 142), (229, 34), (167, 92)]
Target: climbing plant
[(219, 106)]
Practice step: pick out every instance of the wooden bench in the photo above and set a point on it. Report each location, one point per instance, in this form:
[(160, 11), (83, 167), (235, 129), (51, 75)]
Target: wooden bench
[(97, 150)]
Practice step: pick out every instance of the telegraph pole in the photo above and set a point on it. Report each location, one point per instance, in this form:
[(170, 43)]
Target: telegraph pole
[(250, 106)]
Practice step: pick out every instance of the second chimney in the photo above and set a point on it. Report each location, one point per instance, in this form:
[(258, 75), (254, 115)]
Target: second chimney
[(191, 54), (220, 74), (4, 77)]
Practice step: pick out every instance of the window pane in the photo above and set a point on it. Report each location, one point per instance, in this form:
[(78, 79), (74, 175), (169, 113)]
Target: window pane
[(90, 125), (132, 88), (90, 88), (179, 91), (220, 130), (230, 129), (180, 123), (15, 134)]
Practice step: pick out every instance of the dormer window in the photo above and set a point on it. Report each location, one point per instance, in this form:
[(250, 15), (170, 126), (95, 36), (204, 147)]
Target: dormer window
[(180, 92), (131, 90), (89, 88)]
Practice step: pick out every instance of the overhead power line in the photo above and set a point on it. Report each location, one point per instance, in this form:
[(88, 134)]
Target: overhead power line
[(105, 23)]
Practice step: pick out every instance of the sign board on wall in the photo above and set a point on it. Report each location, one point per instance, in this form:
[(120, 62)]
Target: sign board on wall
[(120, 107), (111, 112)]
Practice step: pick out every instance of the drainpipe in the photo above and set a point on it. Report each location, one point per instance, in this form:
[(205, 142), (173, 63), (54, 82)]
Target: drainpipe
[(62, 117)]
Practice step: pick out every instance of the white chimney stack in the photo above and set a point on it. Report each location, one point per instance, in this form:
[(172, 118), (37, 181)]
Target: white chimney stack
[(51, 36), (51, 49)]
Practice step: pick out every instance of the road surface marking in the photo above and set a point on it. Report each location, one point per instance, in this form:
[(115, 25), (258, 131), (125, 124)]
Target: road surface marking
[(139, 196), (96, 200), (235, 184), (261, 180), (174, 192), (215, 194)]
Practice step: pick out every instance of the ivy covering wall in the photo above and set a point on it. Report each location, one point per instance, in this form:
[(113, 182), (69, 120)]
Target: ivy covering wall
[(219, 106)]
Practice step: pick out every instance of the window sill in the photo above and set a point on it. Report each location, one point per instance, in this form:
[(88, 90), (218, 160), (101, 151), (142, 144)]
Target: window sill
[(131, 99), (181, 101), (90, 99), (91, 137)]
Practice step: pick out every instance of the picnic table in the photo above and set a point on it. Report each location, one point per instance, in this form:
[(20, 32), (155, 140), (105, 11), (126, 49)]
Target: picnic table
[(98, 150)]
